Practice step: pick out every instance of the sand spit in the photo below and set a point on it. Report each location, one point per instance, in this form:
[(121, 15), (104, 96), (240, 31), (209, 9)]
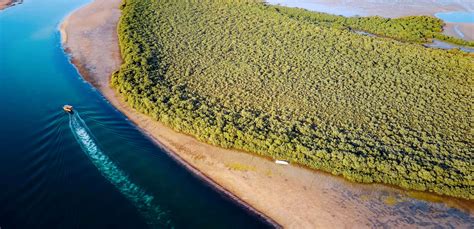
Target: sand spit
[(294, 197)]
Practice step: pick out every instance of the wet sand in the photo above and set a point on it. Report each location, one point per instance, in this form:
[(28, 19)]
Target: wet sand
[(391, 9), (461, 30), (294, 197)]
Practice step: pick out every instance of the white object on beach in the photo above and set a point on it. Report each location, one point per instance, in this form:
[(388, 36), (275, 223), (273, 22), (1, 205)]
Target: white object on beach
[(281, 162)]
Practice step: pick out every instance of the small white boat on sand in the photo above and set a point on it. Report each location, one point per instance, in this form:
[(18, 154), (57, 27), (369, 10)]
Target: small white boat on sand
[(280, 162)]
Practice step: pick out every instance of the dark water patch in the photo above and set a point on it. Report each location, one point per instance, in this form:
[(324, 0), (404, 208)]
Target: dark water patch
[(143, 201)]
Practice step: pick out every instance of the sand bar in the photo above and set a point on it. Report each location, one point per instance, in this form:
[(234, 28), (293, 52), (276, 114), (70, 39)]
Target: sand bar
[(294, 197)]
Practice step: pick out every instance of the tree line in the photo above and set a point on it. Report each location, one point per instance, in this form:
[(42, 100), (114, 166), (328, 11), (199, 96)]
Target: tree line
[(241, 74)]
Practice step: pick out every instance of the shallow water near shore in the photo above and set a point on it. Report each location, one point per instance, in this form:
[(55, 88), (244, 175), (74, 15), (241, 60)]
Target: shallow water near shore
[(96, 170), (457, 16), (444, 45)]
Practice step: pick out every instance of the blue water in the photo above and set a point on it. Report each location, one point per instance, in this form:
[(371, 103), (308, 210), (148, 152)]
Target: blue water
[(456, 17), (93, 169)]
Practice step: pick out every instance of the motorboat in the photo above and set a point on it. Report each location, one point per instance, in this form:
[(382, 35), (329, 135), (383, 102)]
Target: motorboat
[(68, 108)]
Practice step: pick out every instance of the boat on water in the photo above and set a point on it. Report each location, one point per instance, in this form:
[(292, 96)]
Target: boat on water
[(68, 108)]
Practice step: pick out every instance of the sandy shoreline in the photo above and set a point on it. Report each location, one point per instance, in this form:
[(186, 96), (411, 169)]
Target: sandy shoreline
[(293, 197), (7, 3)]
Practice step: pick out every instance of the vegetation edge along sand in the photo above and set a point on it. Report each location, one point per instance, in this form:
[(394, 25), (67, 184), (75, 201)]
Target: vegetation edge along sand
[(373, 110), (306, 203), (88, 74)]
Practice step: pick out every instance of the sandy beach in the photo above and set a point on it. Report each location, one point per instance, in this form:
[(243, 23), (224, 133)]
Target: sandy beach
[(292, 196)]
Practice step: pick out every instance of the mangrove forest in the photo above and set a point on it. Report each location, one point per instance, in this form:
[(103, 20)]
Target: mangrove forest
[(296, 85)]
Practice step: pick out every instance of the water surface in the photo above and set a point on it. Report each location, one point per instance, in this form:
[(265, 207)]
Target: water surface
[(444, 45), (92, 169), (457, 16)]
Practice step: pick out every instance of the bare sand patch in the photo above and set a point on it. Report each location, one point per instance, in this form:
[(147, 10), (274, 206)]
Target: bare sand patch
[(292, 196), (461, 30), (6, 3)]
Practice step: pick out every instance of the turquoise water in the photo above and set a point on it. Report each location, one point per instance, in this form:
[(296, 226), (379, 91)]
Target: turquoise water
[(92, 169), (456, 17)]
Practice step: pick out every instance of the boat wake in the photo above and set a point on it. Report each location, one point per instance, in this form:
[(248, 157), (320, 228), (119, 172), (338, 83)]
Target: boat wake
[(154, 215)]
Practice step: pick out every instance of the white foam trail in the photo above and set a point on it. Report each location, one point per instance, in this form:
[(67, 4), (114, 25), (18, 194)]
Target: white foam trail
[(142, 201)]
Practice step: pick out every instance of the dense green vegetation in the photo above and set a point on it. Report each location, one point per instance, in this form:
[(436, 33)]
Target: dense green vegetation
[(239, 74), (412, 29)]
